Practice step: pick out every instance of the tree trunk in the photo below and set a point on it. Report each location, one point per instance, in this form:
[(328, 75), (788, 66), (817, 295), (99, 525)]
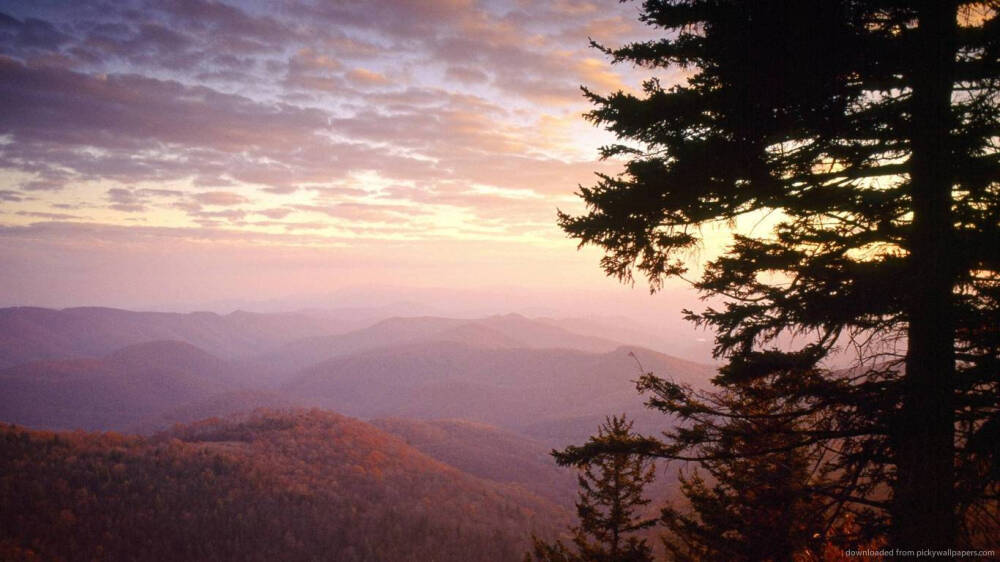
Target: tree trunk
[(923, 500)]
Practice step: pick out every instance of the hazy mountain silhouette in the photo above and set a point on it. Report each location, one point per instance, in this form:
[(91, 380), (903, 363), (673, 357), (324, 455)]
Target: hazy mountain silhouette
[(507, 331), (683, 341), (510, 371), (514, 388), (115, 391), (33, 334)]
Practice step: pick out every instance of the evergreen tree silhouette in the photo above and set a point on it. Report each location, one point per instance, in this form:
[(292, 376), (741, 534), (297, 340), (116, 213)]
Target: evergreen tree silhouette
[(610, 499), (853, 146)]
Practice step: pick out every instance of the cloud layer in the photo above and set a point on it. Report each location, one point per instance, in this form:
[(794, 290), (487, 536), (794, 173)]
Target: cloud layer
[(313, 123)]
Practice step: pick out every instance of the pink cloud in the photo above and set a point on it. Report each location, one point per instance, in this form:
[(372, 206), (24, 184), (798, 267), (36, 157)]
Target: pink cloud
[(367, 77), (220, 198), (379, 120)]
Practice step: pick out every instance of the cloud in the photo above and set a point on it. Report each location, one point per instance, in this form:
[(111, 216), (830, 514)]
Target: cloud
[(279, 213), (31, 33), (309, 60), (11, 195), (309, 69), (47, 184), (213, 219), (50, 216), (131, 200), (369, 212), (381, 120), (367, 77), (467, 74), (126, 200), (220, 198), (51, 105)]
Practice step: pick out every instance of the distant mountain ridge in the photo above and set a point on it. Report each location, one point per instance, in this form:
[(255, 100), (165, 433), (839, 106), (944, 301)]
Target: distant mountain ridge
[(686, 342), (509, 371), (33, 334), (515, 388), (115, 391), (502, 331)]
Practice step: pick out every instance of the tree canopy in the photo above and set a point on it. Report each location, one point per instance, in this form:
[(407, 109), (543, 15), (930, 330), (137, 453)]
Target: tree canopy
[(611, 499), (749, 498), (867, 134)]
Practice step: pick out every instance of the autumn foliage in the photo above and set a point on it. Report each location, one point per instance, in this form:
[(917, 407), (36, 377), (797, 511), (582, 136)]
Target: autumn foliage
[(302, 485)]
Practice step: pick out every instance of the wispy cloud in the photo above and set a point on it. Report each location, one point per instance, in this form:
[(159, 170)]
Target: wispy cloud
[(382, 120)]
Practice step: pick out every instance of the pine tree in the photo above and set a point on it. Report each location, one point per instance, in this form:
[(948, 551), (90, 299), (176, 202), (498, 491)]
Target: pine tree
[(866, 134), (610, 499), (759, 501)]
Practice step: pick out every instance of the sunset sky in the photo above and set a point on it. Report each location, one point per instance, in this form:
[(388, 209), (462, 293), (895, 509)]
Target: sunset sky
[(175, 153)]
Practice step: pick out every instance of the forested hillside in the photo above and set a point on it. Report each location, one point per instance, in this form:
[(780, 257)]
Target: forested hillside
[(296, 485), (488, 452)]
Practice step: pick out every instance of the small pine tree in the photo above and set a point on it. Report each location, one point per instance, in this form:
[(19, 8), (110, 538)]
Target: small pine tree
[(758, 502), (610, 497)]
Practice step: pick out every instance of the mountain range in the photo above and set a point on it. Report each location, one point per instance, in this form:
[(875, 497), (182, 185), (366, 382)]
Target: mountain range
[(443, 428), (34, 334), (509, 371)]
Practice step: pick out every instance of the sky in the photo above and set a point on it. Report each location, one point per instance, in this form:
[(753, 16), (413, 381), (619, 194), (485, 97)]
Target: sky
[(169, 154)]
